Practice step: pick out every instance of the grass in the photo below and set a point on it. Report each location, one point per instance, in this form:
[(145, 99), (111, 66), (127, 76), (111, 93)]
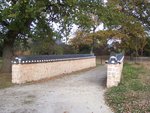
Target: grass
[(5, 79), (133, 93)]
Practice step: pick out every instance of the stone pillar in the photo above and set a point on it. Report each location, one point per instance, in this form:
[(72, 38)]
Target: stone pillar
[(114, 71), (112, 75)]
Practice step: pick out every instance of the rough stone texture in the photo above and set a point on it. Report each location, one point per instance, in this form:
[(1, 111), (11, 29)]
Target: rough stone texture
[(22, 73), (114, 72), (81, 92)]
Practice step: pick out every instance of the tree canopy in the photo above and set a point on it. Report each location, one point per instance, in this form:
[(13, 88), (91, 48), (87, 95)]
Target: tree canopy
[(139, 9), (20, 19)]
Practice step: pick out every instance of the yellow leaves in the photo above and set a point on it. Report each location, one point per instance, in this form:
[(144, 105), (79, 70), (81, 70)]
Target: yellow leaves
[(81, 38), (110, 33), (12, 15), (84, 38)]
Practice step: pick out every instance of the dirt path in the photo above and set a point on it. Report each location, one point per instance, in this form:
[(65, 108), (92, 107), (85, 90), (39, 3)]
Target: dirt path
[(78, 93)]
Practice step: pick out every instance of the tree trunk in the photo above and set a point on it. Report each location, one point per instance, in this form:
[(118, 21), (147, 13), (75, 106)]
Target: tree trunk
[(142, 52), (92, 45), (7, 57), (91, 51), (141, 59), (136, 56), (8, 51)]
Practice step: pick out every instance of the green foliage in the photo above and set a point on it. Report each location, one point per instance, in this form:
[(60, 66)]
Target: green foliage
[(112, 16), (136, 85), (130, 73), (23, 16), (45, 46), (138, 9), (68, 49), (120, 26), (35, 19), (132, 21), (21, 44)]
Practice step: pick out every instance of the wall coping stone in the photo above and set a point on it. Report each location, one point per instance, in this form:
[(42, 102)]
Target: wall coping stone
[(115, 59), (49, 58)]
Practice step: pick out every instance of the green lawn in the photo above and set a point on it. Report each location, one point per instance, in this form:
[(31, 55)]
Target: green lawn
[(133, 93)]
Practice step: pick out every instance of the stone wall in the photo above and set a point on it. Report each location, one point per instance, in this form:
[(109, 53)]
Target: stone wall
[(27, 72)]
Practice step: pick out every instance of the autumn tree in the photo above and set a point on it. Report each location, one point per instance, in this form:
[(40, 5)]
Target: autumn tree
[(134, 23), (139, 9), (80, 40)]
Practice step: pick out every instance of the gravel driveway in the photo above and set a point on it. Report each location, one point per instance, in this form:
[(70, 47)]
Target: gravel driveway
[(80, 92)]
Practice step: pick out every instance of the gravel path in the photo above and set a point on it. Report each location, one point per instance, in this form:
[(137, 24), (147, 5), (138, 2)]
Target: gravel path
[(81, 92)]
